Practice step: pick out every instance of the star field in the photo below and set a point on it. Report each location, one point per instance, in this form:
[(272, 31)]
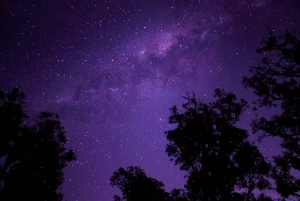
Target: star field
[(112, 69)]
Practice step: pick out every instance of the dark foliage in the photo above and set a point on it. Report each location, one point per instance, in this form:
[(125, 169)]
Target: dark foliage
[(214, 152), (178, 195), (31, 157), (276, 81), (136, 186)]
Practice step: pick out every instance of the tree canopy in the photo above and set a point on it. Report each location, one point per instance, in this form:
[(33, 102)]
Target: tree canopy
[(276, 82), (214, 152), (31, 157), (136, 186)]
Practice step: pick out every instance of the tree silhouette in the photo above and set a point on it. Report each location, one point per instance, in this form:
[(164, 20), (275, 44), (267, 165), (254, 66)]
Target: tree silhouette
[(31, 157), (276, 83), (136, 186), (178, 195), (213, 151)]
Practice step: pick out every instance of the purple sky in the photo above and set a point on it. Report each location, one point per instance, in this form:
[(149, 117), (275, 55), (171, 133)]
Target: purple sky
[(112, 69)]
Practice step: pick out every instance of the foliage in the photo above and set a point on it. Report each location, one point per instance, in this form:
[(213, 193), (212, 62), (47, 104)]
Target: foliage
[(276, 83), (214, 152), (32, 157), (135, 185)]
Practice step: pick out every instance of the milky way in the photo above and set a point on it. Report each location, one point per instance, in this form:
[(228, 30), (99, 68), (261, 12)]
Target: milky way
[(112, 69)]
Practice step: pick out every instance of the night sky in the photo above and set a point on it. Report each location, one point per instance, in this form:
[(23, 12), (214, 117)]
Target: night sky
[(112, 69)]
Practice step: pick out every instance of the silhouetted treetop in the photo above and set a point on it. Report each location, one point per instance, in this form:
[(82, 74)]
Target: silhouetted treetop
[(214, 152), (135, 185), (32, 157), (277, 77), (200, 127), (276, 82)]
